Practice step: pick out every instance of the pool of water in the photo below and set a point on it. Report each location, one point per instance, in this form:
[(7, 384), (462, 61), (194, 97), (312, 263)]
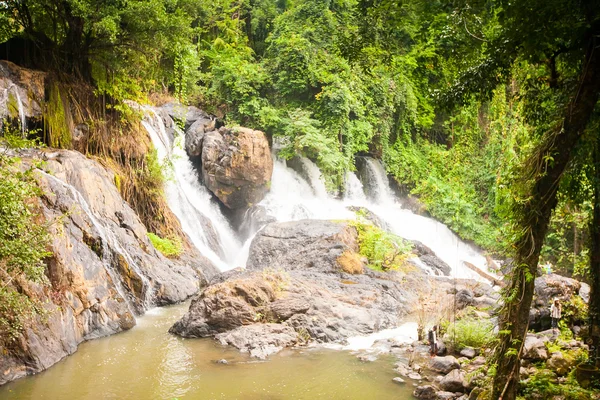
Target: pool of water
[(147, 362)]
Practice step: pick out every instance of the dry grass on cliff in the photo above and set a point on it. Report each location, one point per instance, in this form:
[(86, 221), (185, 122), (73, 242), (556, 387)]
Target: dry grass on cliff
[(351, 262), (112, 133)]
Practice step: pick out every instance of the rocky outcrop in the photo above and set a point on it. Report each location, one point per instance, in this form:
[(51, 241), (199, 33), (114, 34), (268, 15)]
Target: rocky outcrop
[(21, 94), (236, 166), (548, 287), (260, 340), (103, 270), (294, 279)]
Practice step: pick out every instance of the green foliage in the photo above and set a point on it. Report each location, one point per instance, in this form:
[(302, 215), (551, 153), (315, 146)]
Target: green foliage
[(56, 118), (169, 247), (469, 332), (383, 250), (23, 242), (544, 385)]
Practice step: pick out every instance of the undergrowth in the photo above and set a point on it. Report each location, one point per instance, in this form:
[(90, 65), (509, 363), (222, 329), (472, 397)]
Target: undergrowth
[(383, 250), (169, 247), (24, 240), (469, 332)]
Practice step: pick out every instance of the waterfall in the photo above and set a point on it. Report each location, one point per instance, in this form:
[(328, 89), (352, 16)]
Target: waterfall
[(293, 198), (109, 241), (20, 108), (199, 215), (376, 183), (354, 191)]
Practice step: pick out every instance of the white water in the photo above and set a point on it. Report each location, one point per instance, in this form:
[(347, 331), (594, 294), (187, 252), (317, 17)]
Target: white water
[(405, 333), (109, 241), (20, 108), (292, 198), (190, 201)]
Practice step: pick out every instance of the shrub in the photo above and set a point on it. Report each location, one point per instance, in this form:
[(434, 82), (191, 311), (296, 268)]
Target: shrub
[(168, 247), (385, 251), (469, 332), (23, 241)]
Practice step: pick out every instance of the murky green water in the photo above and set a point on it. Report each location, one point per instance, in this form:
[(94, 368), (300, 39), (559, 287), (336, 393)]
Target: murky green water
[(148, 363)]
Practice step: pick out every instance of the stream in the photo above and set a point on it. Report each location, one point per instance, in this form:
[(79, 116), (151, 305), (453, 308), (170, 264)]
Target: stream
[(147, 362)]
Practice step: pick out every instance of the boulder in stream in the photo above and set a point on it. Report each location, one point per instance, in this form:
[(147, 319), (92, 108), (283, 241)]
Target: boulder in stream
[(237, 166)]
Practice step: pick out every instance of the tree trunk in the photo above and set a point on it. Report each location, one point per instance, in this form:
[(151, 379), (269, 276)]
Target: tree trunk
[(594, 306), (533, 218)]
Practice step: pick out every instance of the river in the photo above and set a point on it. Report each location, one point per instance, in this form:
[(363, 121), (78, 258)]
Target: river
[(147, 362)]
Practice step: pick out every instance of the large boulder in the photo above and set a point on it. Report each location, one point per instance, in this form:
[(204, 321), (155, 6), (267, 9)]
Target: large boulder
[(454, 381), (426, 392), (534, 348), (103, 269), (305, 244), (444, 364), (237, 166), (294, 278)]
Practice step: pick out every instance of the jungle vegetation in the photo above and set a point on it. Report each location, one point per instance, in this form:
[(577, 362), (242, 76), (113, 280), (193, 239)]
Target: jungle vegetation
[(485, 110)]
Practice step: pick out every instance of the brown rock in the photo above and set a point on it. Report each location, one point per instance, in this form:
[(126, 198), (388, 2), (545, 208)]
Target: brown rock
[(237, 166)]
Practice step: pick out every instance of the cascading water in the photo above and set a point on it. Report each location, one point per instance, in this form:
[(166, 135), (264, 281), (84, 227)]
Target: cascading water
[(190, 201), (20, 108), (292, 198), (109, 244)]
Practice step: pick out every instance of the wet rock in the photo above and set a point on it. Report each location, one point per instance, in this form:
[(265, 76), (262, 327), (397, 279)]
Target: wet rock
[(21, 94), (103, 269), (444, 364), (367, 357), (454, 381), (429, 258), (426, 392), (237, 166), (415, 376), (260, 340), (306, 244), (399, 380), (293, 278), (468, 352), (222, 361), (185, 115), (253, 219)]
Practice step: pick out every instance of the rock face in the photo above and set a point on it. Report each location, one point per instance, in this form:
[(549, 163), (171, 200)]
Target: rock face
[(21, 93), (293, 278), (103, 271), (237, 166)]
